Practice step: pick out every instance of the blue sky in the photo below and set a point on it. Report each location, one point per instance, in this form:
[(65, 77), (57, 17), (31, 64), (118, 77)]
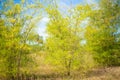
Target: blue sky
[(67, 2), (17, 1), (74, 2)]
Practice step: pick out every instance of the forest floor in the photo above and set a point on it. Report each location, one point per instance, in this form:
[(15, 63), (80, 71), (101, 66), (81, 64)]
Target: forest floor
[(111, 73)]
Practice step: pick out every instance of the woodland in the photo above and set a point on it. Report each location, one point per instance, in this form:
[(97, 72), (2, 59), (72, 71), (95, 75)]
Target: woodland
[(81, 42)]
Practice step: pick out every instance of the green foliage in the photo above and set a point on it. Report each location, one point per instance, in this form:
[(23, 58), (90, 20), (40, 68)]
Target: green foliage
[(88, 35), (63, 45), (101, 33), (14, 38)]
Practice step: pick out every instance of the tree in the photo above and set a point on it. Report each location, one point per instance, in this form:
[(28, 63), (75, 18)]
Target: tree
[(16, 32), (102, 33), (63, 45)]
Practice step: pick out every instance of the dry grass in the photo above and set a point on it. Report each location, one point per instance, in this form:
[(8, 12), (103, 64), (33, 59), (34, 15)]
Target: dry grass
[(112, 73)]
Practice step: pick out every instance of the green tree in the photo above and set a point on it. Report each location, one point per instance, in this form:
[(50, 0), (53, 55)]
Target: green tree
[(16, 31), (102, 32), (63, 45)]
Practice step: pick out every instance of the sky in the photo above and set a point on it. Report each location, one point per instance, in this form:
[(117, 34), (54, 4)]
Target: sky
[(17, 1)]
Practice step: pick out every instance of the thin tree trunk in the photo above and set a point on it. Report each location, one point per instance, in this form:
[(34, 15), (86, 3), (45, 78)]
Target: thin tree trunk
[(69, 68), (18, 67)]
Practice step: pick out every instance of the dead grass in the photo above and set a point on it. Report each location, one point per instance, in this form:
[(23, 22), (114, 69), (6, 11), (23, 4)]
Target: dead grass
[(111, 73)]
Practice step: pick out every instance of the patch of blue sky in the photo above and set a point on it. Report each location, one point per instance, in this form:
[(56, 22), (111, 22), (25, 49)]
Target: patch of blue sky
[(17, 1), (41, 27), (72, 2), (91, 1), (0, 7), (29, 1), (1, 4)]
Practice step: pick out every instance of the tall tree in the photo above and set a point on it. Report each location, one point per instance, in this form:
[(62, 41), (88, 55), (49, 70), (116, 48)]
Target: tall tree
[(63, 44)]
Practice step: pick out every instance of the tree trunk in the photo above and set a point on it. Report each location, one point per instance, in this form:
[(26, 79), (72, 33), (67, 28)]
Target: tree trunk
[(69, 68), (18, 66)]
